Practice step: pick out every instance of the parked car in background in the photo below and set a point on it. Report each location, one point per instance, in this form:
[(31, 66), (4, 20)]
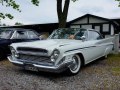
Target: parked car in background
[(65, 49), (14, 35)]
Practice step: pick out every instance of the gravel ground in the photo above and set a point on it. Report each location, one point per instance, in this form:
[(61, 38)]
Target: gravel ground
[(103, 74)]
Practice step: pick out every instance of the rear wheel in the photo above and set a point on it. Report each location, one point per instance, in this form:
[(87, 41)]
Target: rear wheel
[(75, 67)]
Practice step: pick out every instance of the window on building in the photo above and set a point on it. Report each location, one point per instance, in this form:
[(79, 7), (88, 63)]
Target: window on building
[(75, 26), (86, 26), (105, 27)]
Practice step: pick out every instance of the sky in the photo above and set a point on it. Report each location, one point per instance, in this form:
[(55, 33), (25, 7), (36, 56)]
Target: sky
[(46, 11)]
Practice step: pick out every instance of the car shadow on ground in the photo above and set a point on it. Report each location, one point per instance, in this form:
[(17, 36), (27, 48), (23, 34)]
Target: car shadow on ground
[(43, 74), (59, 75), (3, 58), (95, 62)]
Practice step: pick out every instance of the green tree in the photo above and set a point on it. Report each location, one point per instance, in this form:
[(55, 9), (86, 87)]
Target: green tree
[(18, 23), (14, 5), (119, 2), (8, 3)]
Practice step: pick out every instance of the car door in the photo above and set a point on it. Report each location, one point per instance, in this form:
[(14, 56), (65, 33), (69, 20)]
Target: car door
[(96, 49)]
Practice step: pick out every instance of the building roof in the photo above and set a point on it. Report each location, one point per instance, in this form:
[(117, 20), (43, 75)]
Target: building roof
[(89, 15)]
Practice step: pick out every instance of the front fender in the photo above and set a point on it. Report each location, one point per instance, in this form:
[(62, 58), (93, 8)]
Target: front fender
[(67, 56), (67, 53)]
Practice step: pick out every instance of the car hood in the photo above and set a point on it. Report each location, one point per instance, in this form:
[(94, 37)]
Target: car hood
[(48, 44)]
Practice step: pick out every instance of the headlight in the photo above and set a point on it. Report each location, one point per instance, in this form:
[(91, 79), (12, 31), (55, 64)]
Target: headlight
[(14, 53), (55, 55)]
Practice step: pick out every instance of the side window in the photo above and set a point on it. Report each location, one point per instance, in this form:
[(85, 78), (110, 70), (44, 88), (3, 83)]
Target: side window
[(32, 35), (21, 35), (80, 34), (93, 35)]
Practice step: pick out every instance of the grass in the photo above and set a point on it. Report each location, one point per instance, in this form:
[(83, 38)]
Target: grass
[(116, 71), (114, 60), (114, 64), (108, 71)]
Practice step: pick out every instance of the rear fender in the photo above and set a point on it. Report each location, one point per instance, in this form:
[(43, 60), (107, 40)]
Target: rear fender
[(108, 50)]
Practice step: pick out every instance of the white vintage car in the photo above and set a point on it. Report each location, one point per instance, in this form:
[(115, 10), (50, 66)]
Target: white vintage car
[(65, 49)]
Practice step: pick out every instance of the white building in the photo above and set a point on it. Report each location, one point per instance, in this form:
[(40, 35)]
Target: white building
[(104, 25)]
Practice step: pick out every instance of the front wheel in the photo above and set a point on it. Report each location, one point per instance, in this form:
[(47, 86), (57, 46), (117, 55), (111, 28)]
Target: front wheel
[(75, 67)]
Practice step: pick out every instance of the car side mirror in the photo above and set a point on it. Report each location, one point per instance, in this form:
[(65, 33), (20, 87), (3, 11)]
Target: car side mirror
[(83, 38)]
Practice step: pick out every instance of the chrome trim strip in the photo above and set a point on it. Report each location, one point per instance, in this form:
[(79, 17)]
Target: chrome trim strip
[(17, 62), (53, 67), (79, 48), (88, 47)]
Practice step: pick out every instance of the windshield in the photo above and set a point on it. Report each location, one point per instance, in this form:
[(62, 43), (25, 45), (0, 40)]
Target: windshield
[(69, 33), (6, 34), (25, 35)]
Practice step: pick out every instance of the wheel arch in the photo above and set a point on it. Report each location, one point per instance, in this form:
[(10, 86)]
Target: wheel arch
[(82, 58)]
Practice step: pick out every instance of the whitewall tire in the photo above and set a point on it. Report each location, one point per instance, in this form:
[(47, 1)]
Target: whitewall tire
[(75, 67)]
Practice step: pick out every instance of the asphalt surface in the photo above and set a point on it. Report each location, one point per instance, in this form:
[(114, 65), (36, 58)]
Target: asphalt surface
[(95, 76)]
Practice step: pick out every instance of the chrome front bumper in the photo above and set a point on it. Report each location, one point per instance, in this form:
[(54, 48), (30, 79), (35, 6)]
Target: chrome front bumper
[(56, 69)]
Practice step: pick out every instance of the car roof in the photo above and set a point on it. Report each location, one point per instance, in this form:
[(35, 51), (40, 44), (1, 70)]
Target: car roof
[(72, 28), (80, 29)]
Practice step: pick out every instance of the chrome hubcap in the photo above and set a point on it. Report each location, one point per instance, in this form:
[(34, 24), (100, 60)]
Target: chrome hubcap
[(75, 64)]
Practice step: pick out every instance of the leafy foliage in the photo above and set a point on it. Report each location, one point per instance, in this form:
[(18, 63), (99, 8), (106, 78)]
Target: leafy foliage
[(8, 3), (119, 2), (18, 23), (14, 5), (74, 0), (35, 2)]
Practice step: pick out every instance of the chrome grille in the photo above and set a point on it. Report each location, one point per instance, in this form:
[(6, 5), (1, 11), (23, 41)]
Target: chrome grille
[(35, 59), (29, 49)]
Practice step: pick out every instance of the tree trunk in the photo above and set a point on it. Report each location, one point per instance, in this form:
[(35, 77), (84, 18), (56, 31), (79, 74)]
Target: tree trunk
[(62, 15)]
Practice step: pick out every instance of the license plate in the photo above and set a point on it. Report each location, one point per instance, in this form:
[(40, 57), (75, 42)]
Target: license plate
[(31, 68)]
